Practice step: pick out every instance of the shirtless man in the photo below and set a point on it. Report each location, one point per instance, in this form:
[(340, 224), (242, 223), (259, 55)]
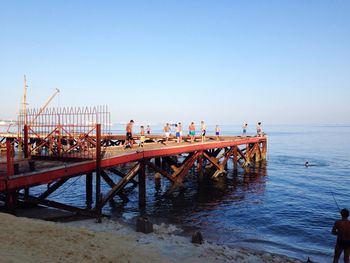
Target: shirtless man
[(192, 131), (166, 131), (341, 229), (129, 138), (177, 133), (203, 130)]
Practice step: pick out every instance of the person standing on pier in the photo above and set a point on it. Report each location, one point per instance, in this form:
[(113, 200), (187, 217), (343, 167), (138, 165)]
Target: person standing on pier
[(166, 131), (259, 129), (217, 132), (203, 130), (148, 130), (129, 138), (180, 129), (142, 136), (192, 131), (245, 126), (177, 133), (341, 229)]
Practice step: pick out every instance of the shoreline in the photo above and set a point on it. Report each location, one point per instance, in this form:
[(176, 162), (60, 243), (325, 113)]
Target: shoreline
[(32, 240)]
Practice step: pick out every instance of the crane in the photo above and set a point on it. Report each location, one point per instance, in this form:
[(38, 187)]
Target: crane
[(44, 107), (24, 104)]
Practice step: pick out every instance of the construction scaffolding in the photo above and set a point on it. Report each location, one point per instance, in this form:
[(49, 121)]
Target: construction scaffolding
[(63, 132)]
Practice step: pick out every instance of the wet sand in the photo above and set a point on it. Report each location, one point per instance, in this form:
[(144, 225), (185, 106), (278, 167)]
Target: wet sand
[(30, 240)]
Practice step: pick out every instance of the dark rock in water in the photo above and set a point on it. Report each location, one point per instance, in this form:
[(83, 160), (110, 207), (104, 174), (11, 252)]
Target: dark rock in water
[(197, 238), (143, 225)]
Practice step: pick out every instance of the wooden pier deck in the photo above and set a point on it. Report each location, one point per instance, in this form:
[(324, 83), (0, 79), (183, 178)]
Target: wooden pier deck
[(49, 170), (55, 172)]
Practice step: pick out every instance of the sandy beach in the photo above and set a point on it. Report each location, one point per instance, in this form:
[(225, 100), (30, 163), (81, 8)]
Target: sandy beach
[(29, 240)]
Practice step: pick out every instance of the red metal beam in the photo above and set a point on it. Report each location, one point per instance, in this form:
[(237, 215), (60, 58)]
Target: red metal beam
[(22, 181)]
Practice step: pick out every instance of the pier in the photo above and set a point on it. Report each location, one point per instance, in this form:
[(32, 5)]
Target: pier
[(59, 144)]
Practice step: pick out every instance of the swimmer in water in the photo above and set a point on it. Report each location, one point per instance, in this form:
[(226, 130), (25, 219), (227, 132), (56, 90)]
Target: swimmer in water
[(306, 164)]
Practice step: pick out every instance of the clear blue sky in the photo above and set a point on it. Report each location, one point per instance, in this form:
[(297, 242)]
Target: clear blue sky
[(222, 61)]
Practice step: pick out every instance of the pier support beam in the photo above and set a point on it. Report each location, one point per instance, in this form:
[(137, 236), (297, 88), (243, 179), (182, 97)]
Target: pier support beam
[(142, 185), (247, 162), (121, 184), (183, 170), (235, 158), (122, 175), (257, 153), (26, 192), (110, 182), (53, 187), (220, 166), (98, 206), (11, 202), (264, 150), (9, 157), (157, 161), (10, 195), (57, 205), (25, 143), (200, 166), (88, 190), (159, 170)]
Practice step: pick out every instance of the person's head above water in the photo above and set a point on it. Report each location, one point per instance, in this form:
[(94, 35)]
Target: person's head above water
[(344, 213)]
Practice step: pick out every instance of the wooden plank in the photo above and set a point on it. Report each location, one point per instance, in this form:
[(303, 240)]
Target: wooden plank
[(160, 170), (111, 184), (57, 205), (120, 185), (213, 160), (121, 174), (189, 163), (107, 179), (142, 185), (53, 188)]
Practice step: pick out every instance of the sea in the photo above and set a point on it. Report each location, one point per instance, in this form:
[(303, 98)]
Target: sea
[(279, 206)]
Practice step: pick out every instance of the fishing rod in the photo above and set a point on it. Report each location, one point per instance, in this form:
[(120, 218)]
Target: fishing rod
[(335, 201)]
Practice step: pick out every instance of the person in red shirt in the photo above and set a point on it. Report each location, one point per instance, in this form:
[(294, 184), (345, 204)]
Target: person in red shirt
[(341, 229)]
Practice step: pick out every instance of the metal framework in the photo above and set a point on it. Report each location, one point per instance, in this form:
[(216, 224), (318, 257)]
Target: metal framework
[(64, 132)]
